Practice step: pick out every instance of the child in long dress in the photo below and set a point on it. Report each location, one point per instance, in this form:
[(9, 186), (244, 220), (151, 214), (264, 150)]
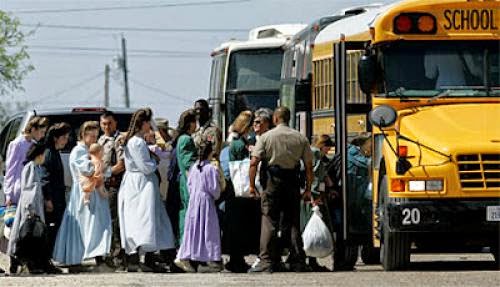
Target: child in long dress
[(96, 180), (201, 241)]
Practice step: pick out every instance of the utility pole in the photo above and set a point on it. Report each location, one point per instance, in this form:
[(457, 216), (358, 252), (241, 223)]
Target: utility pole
[(106, 86), (125, 72)]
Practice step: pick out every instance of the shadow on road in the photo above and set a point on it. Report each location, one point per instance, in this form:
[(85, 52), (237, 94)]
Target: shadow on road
[(447, 266)]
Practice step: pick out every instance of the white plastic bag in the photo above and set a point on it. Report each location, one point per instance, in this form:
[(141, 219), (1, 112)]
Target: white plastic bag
[(317, 238), (239, 170)]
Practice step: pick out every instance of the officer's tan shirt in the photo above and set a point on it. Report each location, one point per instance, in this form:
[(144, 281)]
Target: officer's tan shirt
[(113, 151), (283, 146)]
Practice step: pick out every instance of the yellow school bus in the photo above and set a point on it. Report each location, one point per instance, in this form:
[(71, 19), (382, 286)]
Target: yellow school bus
[(430, 70), (322, 103)]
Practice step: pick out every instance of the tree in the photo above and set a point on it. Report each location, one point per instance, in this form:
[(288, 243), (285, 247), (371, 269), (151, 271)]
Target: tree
[(14, 66), (9, 108)]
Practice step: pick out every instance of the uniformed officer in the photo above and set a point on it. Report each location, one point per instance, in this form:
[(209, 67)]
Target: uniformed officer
[(113, 157), (283, 148), (206, 128)]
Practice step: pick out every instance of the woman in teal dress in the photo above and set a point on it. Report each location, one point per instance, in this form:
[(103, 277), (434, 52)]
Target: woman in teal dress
[(186, 156)]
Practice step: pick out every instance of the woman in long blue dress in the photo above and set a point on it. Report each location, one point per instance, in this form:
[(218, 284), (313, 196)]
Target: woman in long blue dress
[(144, 224), (85, 231)]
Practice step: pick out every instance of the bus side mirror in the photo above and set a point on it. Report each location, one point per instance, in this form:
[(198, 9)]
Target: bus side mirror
[(367, 70), (383, 116)]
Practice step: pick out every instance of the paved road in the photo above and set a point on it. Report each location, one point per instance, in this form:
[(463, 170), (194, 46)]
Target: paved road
[(426, 270)]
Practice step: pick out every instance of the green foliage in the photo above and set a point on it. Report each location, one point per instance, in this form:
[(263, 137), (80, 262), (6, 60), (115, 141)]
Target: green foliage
[(14, 57)]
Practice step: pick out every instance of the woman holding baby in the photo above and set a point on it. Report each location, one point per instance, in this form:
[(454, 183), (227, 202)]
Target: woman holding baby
[(86, 227)]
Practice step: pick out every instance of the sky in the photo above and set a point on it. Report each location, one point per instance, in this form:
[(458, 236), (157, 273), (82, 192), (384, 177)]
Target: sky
[(168, 70)]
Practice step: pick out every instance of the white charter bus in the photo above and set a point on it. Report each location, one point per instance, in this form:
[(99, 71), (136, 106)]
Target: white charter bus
[(245, 75)]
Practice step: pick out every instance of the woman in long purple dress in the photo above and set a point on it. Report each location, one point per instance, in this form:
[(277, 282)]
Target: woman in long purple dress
[(201, 241)]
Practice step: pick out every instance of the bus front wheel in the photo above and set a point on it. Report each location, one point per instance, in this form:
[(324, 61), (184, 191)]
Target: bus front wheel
[(396, 246)]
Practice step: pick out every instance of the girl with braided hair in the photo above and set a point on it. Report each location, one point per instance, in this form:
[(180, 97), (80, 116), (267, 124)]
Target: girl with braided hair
[(201, 241), (144, 224)]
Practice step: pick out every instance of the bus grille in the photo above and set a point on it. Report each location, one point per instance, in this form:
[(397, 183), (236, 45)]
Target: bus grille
[(479, 171)]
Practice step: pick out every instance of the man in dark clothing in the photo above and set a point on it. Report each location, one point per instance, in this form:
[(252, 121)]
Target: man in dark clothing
[(207, 130), (283, 148)]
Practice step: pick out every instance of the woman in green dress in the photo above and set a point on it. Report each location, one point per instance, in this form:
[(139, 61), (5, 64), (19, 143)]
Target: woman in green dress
[(186, 156)]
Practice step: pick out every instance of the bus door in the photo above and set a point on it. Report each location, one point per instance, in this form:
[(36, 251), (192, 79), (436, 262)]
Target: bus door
[(351, 119)]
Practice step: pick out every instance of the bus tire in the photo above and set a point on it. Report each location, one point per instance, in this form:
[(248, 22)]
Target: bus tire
[(395, 246), (496, 254), (370, 255)]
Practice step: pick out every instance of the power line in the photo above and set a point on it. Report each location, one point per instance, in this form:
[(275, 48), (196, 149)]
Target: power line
[(107, 55), (72, 87), (115, 8), (138, 29), (157, 90), (147, 51), (93, 96)]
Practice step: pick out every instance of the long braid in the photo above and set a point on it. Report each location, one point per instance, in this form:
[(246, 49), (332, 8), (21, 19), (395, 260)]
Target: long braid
[(130, 131), (136, 122), (204, 152)]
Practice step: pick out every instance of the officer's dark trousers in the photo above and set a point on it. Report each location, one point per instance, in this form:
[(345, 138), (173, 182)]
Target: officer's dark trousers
[(281, 200)]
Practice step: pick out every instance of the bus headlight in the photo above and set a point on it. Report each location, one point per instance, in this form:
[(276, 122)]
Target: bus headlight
[(426, 185), (434, 185)]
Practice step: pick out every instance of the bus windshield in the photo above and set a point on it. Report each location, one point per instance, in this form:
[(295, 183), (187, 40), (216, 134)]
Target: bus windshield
[(255, 69), (440, 68)]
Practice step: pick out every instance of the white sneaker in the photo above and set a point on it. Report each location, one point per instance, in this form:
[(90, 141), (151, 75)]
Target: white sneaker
[(184, 265), (256, 262)]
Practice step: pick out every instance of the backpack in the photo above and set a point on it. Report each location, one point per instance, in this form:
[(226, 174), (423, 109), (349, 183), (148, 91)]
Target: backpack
[(33, 240)]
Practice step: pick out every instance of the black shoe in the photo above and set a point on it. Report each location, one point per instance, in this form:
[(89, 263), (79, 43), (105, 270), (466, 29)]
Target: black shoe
[(237, 266), (300, 267), (14, 264), (133, 263), (2, 271), (154, 267), (51, 269), (319, 268), (133, 267), (36, 271), (210, 267), (260, 268), (103, 268), (75, 269)]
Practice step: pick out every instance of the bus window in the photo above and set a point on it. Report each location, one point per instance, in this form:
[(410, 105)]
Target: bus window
[(428, 68), (255, 69)]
